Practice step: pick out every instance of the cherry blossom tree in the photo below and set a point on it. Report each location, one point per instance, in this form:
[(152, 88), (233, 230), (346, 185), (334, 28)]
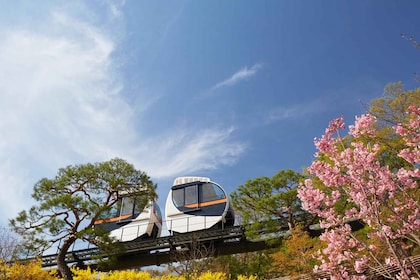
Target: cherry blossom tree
[(350, 182)]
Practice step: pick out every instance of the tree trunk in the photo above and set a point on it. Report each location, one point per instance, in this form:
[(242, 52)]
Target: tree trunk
[(61, 260)]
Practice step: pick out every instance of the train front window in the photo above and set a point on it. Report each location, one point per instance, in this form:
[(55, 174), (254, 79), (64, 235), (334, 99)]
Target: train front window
[(185, 196), (191, 195), (157, 209), (115, 210), (178, 197), (127, 206), (211, 192)]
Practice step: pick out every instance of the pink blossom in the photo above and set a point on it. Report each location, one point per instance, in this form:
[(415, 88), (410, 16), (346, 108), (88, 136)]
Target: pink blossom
[(335, 125), (363, 126), (356, 174), (410, 155), (325, 145), (360, 264), (372, 247), (311, 197), (391, 261)]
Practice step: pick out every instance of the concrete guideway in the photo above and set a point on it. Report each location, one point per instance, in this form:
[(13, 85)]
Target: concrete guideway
[(164, 249)]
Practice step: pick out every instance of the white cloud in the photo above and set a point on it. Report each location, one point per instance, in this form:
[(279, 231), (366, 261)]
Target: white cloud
[(296, 111), (114, 8), (62, 102), (332, 100), (283, 113), (57, 100), (243, 74), (187, 151)]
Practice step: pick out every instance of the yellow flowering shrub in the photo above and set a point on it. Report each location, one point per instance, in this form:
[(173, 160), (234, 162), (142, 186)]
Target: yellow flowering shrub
[(33, 271), (84, 274), (28, 271), (211, 276), (127, 275), (172, 277)]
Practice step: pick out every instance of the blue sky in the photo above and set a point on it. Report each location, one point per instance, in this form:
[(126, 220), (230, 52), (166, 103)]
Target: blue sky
[(232, 90)]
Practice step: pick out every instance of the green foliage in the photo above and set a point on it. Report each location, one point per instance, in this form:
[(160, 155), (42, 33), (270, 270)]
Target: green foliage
[(253, 265), (270, 203), (69, 204), (391, 109)]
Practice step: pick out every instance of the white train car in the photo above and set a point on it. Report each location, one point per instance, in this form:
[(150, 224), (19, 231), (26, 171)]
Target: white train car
[(130, 222), (197, 203)]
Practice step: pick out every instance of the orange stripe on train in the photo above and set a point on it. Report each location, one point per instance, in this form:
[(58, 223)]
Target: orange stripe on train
[(208, 203), (112, 219)]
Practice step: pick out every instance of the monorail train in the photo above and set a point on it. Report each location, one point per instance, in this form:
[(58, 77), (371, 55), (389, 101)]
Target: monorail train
[(129, 221), (197, 203)]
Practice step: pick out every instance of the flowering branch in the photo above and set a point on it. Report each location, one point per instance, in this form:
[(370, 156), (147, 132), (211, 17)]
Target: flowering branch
[(385, 197)]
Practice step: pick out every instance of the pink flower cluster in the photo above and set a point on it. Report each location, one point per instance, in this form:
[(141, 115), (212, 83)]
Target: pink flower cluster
[(411, 134), (377, 194)]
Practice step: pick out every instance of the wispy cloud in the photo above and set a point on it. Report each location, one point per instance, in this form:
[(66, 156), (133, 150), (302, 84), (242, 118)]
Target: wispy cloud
[(351, 97), (58, 99), (62, 102), (243, 74), (185, 150), (284, 113), (296, 111), (114, 8)]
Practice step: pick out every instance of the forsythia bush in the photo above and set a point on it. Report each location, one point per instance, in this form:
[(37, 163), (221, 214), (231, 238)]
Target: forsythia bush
[(127, 275), (211, 276), (88, 274), (33, 271), (84, 274), (27, 271), (172, 277)]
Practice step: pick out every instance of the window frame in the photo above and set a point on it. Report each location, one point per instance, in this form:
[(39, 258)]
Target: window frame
[(217, 192), (191, 203)]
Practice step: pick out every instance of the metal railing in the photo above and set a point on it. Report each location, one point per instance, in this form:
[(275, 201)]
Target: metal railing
[(233, 234)]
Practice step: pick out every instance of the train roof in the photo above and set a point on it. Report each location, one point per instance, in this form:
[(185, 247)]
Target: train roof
[(190, 179)]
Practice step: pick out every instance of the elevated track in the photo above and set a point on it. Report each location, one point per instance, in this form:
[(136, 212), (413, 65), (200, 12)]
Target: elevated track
[(165, 249), (174, 248)]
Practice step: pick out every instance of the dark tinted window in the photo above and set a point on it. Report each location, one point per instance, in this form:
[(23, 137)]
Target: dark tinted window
[(127, 206), (210, 192), (157, 209), (178, 197), (185, 196), (113, 212), (191, 195)]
